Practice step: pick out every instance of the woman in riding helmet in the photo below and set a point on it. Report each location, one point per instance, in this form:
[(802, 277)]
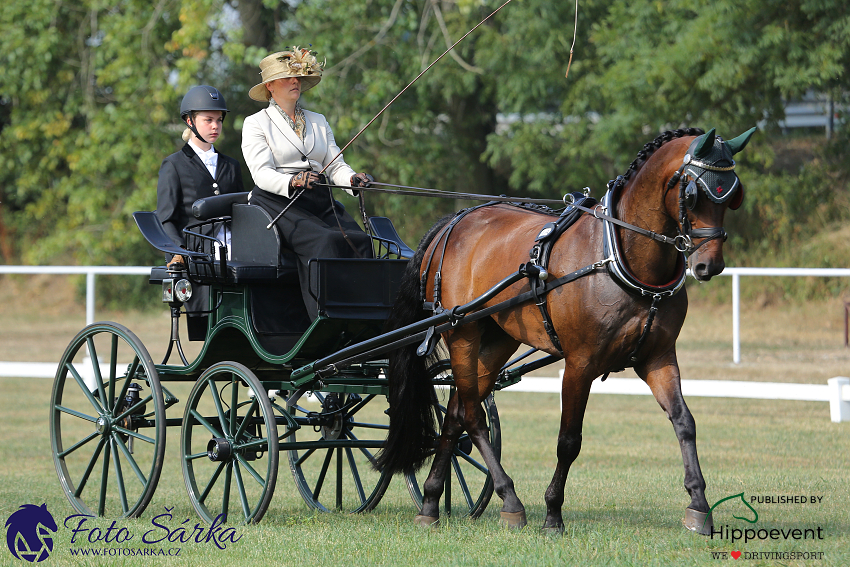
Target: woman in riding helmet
[(286, 146), (195, 171)]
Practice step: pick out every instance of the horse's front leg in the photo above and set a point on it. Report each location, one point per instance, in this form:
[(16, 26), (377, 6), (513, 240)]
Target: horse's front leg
[(575, 389), (662, 376)]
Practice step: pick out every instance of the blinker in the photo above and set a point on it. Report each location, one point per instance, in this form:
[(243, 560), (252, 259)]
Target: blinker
[(691, 195)]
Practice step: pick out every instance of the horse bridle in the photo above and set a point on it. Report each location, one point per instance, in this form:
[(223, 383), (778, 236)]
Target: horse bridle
[(688, 197)]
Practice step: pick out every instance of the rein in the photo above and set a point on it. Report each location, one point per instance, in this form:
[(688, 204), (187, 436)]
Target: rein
[(438, 193)]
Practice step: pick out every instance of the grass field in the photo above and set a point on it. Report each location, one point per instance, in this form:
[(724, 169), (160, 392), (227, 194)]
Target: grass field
[(624, 498)]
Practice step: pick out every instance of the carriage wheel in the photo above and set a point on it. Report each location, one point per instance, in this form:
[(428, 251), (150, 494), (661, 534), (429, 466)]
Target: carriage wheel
[(461, 494), (335, 471), (229, 445), (107, 422)]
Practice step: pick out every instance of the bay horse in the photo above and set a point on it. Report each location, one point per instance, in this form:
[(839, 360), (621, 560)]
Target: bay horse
[(626, 310)]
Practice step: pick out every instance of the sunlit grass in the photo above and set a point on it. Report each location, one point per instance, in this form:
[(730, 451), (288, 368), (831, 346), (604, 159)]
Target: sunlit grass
[(624, 497)]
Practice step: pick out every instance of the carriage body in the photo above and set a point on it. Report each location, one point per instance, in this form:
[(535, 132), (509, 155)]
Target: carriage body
[(249, 405)]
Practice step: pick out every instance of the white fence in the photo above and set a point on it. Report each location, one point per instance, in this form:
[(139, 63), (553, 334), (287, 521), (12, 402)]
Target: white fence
[(736, 273), (837, 392)]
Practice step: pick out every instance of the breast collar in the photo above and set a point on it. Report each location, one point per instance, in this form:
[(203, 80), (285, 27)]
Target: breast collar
[(617, 266)]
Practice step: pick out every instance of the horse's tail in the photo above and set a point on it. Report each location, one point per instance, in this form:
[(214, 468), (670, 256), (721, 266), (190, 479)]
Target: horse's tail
[(413, 427)]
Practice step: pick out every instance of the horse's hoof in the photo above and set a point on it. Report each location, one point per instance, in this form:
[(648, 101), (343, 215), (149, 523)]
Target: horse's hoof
[(426, 521), (552, 530), (514, 520), (699, 522)]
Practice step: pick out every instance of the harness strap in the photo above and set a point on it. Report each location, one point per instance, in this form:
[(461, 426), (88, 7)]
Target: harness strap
[(540, 300), (444, 236), (540, 253)]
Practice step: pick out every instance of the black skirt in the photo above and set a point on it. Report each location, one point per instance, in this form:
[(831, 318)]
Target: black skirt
[(311, 229)]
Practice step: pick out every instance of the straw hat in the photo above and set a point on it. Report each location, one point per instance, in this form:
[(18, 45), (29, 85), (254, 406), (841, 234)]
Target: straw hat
[(295, 62)]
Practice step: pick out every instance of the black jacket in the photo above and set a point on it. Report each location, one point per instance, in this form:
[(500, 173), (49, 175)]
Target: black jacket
[(183, 179)]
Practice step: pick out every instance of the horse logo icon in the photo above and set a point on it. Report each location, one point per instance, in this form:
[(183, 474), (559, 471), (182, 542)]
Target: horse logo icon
[(28, 533)]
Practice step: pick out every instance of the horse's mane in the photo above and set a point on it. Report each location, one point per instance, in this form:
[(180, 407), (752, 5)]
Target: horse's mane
[(650, 148)]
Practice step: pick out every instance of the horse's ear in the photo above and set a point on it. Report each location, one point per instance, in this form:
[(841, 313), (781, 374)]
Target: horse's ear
[(705, 144), (735, 145)]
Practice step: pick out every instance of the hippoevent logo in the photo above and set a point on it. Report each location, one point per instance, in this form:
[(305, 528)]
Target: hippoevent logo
[(28, 533), (743, 508)]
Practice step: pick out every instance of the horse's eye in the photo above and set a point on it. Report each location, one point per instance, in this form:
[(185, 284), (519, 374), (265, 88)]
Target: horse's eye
[(691, 195)]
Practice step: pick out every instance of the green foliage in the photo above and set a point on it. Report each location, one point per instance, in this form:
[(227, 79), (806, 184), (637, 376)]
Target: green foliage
[(89, 95)]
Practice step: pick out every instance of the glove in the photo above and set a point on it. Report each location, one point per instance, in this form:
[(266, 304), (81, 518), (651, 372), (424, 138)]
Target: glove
[(177, 262), (307, 180), (361, 180)]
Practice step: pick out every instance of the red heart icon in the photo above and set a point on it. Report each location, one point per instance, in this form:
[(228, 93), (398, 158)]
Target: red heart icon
[(735, 554)]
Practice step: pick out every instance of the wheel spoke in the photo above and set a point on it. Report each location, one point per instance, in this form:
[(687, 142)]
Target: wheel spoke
[(304, 457), (134, 434), (95, 364), (92, 462), (471, 461), (234, 404), (355, 475), (461, 480), (222, 419), (225, 499), (363, 450), (119, 476), (211, 483), (76, 413), (203, 421), (130, 460), (131, 409), (86, 392), (131, 371), (104, 480), (77, 445), (321, 480), (243, 498), (254, 405), (260, 480), (113, 366)]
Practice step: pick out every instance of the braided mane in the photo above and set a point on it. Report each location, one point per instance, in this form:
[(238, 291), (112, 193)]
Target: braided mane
[(650, 147)]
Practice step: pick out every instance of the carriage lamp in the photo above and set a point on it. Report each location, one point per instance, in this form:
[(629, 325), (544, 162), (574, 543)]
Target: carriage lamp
[(167, 290), (183, 290)]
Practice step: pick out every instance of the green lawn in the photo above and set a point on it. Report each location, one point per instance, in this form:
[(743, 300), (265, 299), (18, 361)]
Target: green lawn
[(624, 499)]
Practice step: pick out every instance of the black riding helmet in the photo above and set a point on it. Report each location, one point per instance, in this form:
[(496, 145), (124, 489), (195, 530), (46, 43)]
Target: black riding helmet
[(201, 98)]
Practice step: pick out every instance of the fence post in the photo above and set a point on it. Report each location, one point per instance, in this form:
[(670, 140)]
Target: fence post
[(89, 297), (736, 318), (839, 406)]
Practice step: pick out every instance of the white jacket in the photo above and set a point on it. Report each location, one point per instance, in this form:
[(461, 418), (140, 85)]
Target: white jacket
[(274, 153)]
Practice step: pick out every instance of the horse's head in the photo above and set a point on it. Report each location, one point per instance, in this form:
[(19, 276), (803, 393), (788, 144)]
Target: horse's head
[(707, 186)]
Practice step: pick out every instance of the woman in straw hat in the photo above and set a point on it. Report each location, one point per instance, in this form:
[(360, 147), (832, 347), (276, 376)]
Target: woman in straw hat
[(285, 148), (195, 171)]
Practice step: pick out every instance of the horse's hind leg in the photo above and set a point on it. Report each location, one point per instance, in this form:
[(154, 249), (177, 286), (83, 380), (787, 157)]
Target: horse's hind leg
[(664, 381), (475, 364)]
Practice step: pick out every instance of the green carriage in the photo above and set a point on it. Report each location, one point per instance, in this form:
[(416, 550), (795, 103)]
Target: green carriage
[(266, 384)]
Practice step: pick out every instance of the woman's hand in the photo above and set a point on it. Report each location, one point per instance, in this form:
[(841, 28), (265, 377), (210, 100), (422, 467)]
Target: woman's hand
[(361, 180), (306, 179)]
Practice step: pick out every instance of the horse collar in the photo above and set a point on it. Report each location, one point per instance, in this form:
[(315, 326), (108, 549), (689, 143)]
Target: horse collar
[(617, 266)]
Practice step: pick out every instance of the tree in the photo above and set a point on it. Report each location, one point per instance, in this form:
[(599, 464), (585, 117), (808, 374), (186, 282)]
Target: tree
[(89, 97)]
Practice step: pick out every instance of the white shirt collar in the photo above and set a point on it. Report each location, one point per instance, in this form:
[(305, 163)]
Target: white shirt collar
[(209, 157)]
